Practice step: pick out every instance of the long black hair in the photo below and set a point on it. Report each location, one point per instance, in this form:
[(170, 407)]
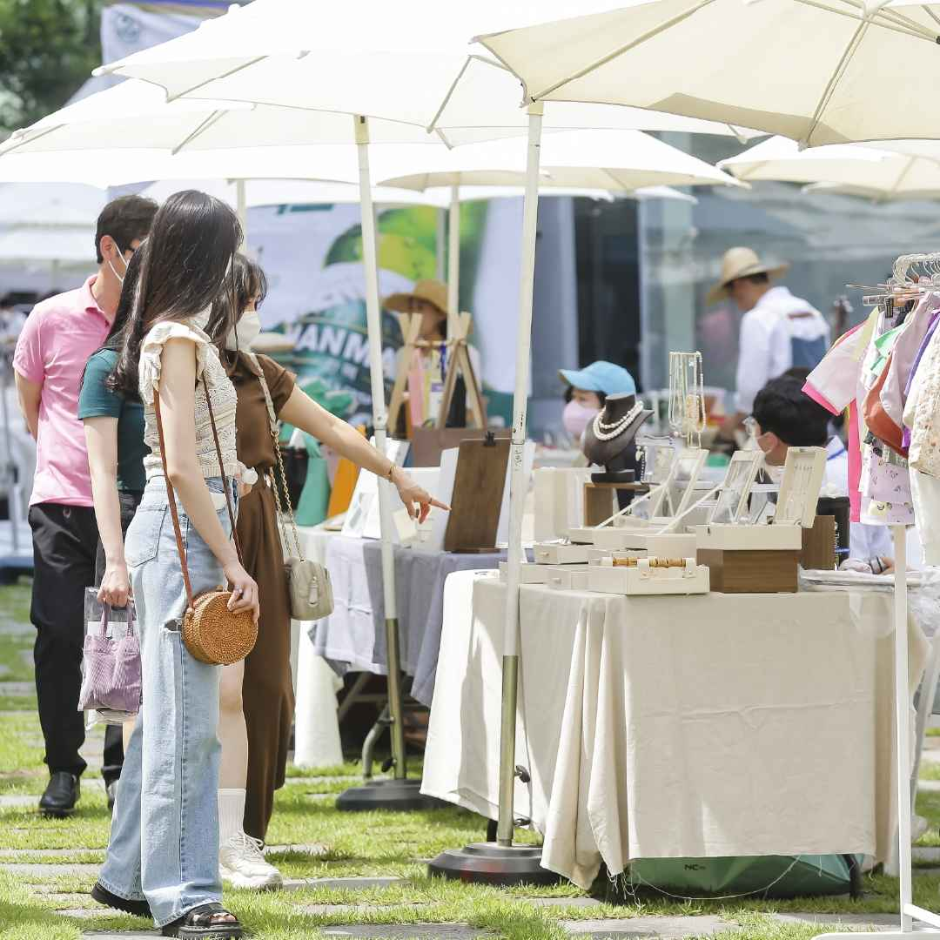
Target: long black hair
[(191, 246)]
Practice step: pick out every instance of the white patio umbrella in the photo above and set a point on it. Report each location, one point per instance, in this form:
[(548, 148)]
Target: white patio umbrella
[(364, 73), (618, 162), (285, 52), (871, 195), (853, 168), (815, 72), (828, 72)]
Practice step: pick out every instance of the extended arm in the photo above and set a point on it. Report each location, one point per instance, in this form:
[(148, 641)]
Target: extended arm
[(101, 439), (303, 412), (178, 408), (29, 395)]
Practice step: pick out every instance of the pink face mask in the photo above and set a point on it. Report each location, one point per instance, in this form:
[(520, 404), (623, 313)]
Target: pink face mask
[(576, 418)]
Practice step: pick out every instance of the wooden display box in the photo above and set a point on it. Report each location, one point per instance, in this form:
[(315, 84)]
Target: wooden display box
[(752, 571), (598, 501), (819, 545)]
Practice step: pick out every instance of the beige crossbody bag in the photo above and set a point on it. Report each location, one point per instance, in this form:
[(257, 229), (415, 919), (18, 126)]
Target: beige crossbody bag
[(309, 586)]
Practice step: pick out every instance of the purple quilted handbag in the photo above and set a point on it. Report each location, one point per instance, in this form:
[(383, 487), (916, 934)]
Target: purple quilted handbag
[(111, 664)]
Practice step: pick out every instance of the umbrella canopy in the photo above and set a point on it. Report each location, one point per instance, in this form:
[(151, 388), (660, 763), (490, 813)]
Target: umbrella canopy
[(616, 161), (274, 192), (406, 72), (819, 73), (873, 172)]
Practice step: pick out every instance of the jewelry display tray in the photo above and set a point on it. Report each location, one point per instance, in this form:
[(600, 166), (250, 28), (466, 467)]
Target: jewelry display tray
[(692, 579)]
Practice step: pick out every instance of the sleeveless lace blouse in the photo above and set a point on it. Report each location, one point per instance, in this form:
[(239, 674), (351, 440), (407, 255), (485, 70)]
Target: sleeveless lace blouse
[(209, 371)]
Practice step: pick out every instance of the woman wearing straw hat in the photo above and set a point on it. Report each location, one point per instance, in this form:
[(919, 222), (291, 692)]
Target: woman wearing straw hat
[(778, 330), (427, 369)]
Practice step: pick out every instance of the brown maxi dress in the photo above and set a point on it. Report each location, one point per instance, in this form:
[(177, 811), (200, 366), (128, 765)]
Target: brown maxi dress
[(267, 692)]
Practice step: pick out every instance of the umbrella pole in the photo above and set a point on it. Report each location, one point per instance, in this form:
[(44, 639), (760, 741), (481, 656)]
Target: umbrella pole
[(502, 862), (241, 207), (453, 259), (398, 792)]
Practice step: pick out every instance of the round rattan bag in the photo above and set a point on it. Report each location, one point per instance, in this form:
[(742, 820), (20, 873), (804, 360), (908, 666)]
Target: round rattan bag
[(216, 635)]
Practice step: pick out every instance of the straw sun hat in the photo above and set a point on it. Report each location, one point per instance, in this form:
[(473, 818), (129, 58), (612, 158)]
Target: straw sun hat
[(432, 291), (741, 262)]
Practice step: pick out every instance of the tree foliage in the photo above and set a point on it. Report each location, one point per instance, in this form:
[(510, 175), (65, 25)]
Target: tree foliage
[(47, 50)]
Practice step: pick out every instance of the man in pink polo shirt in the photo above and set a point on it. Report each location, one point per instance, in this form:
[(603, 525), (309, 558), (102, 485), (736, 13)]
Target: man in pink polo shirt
[(57, 339)]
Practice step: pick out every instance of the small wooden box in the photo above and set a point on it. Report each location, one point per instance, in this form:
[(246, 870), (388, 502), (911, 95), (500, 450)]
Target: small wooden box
[(752, 571), (598, 501), (819, 545)]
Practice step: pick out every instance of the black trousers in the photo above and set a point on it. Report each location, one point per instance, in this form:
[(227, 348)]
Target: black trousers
[(65, 541), (113, 758)]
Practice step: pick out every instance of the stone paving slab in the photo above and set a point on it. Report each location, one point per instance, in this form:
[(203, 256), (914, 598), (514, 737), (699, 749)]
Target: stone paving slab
[(122, 935), (875, 921), (52, 871), (928, 786), (328, 909), (314, 848), (81, 913), (17, 854), (8, 801), (18, 689), (564, 902), (664, 928), (351, 884), (925, 853), (408, 932)]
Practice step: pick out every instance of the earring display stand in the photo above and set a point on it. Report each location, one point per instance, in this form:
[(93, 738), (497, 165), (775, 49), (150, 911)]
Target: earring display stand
[(459, 363)]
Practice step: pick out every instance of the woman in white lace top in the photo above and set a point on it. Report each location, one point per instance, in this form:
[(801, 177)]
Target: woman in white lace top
[(170, 779)]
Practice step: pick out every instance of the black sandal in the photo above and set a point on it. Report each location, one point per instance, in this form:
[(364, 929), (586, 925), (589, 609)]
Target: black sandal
[(198, 923), (103, 896)]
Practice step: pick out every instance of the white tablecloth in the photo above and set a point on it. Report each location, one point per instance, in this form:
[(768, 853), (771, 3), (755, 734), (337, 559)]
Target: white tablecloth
[(353, 636), (316, 728), (715, 725)]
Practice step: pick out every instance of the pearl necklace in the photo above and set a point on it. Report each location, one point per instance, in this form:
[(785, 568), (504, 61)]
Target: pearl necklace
[(607, 432)]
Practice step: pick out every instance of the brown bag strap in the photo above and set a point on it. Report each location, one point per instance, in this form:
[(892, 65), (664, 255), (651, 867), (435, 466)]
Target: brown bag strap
[(171, 495)]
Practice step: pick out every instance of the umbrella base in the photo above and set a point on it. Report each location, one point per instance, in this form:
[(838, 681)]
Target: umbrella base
[(489, 863), (401, 795)]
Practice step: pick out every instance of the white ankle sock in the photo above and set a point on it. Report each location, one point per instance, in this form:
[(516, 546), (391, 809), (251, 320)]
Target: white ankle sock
[(231, 814)]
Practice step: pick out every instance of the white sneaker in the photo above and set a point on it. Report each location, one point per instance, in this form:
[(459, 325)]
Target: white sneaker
[(242, 864)]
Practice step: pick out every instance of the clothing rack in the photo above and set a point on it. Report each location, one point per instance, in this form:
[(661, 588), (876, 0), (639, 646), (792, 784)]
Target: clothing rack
[(901, 289)]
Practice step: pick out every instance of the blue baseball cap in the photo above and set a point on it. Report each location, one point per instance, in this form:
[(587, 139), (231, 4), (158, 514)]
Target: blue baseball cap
[(600, 376)]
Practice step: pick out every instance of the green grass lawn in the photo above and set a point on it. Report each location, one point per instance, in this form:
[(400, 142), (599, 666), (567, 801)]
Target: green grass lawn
[(322, 842)]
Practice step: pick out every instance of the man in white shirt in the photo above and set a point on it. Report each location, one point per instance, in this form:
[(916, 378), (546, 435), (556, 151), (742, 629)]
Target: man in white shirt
[(784, 417), (778, 331)]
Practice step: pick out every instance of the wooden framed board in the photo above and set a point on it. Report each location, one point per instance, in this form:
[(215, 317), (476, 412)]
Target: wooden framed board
[(477, 498)]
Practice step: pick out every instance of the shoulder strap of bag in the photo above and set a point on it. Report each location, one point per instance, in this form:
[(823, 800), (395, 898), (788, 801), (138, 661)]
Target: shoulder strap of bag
[(276, 438), (171, 495)]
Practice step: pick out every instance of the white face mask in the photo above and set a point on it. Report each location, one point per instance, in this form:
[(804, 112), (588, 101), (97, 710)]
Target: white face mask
[(120, 277), (249, 326), (201, 320)]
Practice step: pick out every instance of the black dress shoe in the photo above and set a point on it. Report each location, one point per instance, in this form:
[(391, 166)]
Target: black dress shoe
[(61, 795)]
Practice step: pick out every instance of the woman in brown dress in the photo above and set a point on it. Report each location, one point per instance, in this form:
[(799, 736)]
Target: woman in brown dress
[(267, 691)]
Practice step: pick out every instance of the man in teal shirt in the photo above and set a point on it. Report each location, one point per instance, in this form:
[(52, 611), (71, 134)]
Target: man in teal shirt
[(114, 433)]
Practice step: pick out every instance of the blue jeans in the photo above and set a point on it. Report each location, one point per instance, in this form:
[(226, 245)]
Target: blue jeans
[(164, 843)]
